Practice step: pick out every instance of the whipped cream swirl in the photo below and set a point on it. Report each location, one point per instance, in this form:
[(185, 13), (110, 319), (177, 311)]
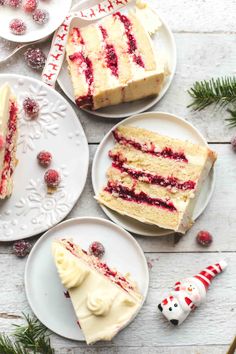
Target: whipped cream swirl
[(71, 272), (99, 302)]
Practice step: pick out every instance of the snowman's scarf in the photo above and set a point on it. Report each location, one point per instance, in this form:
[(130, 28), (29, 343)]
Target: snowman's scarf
[(57, 52)]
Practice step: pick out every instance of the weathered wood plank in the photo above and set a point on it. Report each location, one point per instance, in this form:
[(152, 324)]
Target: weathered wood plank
[(200, 56), (213, 323), (198, 15), (147, 350)]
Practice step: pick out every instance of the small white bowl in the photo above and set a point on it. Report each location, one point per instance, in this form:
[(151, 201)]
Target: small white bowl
[(57, 9)]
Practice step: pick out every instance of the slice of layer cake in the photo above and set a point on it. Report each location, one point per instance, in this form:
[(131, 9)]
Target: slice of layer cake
[(113, 61), (155, 179), (104, 300), (8, 139)]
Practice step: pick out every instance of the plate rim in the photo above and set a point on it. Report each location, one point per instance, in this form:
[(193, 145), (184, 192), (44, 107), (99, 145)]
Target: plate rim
[(81, 219), (107, 211), (148, 106), (18, 76), (22, 40)]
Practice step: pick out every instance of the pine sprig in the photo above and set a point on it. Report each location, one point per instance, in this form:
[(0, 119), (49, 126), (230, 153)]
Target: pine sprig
[(29, 338), (221, 92)]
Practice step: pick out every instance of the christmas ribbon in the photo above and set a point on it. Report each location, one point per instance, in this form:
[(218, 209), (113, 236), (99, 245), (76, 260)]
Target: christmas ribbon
[(57, 51)]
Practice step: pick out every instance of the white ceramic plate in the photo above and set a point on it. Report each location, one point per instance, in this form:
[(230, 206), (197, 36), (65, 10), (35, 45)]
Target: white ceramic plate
[(57, 9), (164, 43), (163, 123), (30, 210), (44, 291)]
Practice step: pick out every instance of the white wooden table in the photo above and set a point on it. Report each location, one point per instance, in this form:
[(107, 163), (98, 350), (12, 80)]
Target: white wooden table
[(205, 35)]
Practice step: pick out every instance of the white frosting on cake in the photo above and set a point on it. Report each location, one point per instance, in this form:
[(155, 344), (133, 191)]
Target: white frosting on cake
[(102, 307)]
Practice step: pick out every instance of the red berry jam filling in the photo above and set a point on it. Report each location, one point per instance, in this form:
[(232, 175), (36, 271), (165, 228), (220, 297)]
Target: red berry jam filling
[(130, 195), (103, 268), (165, 153), (132, 43), (110, 54), (76, 36), (9, 148), (155, 179), (87, 67)]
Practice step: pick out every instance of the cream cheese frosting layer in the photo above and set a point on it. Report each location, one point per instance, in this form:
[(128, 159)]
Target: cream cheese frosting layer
[(104, 300)]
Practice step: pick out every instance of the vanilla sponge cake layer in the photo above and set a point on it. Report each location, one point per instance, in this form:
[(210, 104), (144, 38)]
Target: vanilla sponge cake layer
[(9, 132), (157, 165), (155, 179), (113, 61)]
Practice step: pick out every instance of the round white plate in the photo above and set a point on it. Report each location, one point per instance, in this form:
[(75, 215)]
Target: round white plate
[(165, 45), (163, 123), (44, 291), (30, 210), (57, 9)]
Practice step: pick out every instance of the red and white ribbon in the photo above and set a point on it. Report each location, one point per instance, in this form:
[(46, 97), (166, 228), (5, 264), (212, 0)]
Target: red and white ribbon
[(57, 52)]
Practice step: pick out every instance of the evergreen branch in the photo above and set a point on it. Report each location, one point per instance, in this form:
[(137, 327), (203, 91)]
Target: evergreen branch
[(29, 338), (221, 91)]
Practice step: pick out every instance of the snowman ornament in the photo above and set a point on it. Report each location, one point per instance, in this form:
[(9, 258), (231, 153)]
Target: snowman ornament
[(189, 294)]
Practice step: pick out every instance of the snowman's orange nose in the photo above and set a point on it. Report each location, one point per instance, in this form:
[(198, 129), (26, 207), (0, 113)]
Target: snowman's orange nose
[(189, 289)]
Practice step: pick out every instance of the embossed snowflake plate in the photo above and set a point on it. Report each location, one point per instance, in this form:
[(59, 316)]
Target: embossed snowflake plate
[(164, 43), (31, 210), (42, 284)]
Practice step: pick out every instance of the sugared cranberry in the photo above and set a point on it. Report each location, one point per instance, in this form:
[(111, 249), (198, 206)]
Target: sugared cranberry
[(204, 238), (52, 178), (40, 16), (21, 248), (35, 58), (44, 158), (97, 249), (17, 26), (14, 3), (233, 143), (31, 107), (30, 5), (2, 142), (2, 2)]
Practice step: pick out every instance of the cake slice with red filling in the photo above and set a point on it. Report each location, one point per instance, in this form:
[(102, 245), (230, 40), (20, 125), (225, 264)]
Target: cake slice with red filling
[(8, 139), (114, 61), (104, 300), (154, 178)]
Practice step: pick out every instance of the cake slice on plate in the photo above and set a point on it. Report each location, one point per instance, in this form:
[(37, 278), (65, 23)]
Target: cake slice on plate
[(114, 61), (154, 178), (103, 299), (8, 139)]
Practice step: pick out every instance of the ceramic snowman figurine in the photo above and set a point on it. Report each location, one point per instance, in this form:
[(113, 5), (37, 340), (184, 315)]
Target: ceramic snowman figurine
[(189, 294)]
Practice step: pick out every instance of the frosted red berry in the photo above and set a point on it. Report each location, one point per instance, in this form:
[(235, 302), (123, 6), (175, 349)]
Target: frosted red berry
[(2, 2), (97, 249), (44, 158), (21, 248), (30, 5), (31, 107), (17, 26), (35, 58), (40, 16), (204, 238), (14, 3), (233, 143), (52, 178)]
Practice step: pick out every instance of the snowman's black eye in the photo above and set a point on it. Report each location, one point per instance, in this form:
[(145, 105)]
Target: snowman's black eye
[(170, 308), (175, 305)]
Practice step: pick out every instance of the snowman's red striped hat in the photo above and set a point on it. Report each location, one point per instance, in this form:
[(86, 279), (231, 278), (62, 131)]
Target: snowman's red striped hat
[(210, 272)]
